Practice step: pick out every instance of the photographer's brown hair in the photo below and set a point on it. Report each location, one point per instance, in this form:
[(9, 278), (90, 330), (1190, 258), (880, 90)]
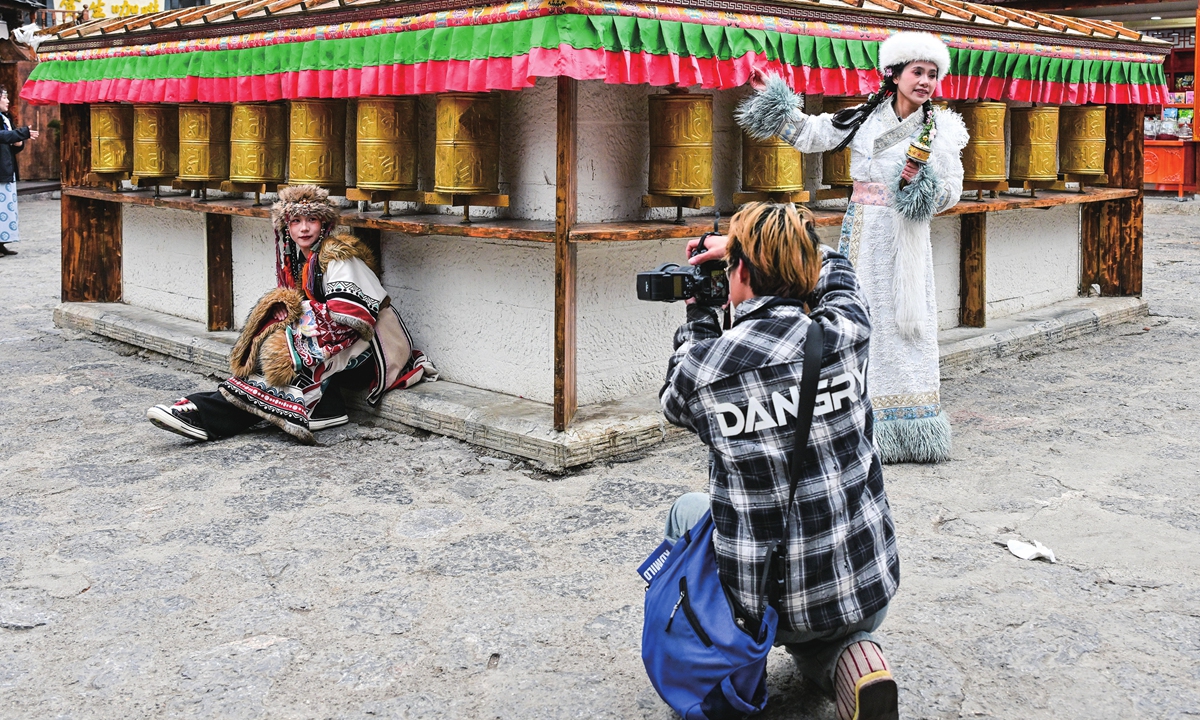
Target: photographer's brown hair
[(778, 244)]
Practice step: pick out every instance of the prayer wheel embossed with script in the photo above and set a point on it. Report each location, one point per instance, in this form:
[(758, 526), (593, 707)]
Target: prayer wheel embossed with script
[(1081, 139), (387, 143), (835, 166), (681, 144), (467, 151), (155, 141), (112, 137), (771, 165), (983, 157), (317, 148), (203, 142), (1034, 143), (258, 143)]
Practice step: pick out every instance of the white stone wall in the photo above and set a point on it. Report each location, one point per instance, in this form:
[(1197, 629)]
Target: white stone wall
[(482, 310), (164, 261), (1032, 259), (945, 237), (253, 264)]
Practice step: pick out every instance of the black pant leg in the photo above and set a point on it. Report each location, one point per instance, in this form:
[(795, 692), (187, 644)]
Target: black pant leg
[(220, 417)]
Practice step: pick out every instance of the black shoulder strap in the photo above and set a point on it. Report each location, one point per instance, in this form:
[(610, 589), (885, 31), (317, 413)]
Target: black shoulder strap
[(814, 351)]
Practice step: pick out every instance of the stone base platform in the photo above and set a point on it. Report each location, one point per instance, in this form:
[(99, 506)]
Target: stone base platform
[(523, 427)]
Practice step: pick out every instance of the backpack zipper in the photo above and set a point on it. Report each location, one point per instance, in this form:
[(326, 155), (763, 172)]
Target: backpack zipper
[(693, 620)]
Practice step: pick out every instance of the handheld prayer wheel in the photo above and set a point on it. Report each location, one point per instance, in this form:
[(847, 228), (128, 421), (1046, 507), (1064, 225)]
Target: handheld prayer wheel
[(681, 144), (112, 137), (835, 167), (155, 141), (203, 142), (1081, 139), (258, 143), (771, 165), (467, 153), (317, 149), (1035, 143), (387, 143), (983, 157)]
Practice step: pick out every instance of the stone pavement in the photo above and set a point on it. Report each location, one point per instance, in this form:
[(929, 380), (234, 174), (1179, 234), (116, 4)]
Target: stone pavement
[(409, 576)]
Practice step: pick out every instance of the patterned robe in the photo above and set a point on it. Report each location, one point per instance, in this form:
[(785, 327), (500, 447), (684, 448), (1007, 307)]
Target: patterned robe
[(903, 377)]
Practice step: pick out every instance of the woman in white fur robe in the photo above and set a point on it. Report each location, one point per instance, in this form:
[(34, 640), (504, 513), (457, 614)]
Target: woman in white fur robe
[(885, 235)]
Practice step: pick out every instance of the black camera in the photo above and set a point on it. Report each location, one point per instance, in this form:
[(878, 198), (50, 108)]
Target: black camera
[(707, 282)]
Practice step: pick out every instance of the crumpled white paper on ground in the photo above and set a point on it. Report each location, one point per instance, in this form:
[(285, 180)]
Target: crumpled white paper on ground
[(1025, 551)]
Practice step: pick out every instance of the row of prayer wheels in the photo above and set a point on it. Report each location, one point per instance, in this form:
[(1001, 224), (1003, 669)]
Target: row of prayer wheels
[(253, 143), (1045, 140)]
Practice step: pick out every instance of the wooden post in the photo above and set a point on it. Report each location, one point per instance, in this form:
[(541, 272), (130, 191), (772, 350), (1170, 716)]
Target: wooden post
[(566, 400), (219, 262), (1120, 260), (371, 237), (1091, 244), (91, 229), (972, 278)]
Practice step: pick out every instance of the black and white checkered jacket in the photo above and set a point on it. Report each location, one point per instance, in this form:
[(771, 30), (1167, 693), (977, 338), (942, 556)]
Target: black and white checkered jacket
[(739, 391)]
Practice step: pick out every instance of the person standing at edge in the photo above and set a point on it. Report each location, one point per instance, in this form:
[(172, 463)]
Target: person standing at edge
[(12, 141), (732, 389), (906, 165)]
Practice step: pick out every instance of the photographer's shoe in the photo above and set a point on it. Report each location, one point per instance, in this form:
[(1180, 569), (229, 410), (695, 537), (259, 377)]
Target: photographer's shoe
[(182, 418), (863, 686)]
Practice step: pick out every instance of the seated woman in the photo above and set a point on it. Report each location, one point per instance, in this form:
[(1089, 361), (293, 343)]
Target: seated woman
[(329, 314)]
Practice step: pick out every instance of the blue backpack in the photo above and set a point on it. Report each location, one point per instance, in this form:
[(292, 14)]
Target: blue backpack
[(703, 662)]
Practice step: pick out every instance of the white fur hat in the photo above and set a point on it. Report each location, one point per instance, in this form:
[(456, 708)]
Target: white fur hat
[(906, 47)]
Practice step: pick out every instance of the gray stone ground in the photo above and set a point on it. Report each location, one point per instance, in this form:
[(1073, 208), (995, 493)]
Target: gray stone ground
[(410, 576)]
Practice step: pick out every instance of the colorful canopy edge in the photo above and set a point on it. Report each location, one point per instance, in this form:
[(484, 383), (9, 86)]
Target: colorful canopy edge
[(411, 56)]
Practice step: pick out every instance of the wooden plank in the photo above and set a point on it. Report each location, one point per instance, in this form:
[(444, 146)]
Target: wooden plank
[(566, 398), (1091, 219), (218, 230), (1124, 163), (372, 238), (972, 278), (75, 144), (91, 250)]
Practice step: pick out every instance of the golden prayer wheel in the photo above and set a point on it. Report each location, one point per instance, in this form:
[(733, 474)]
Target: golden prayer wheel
[(771, 165), (681, 144), (835, 167), (1034, 143), (155, 141), (1081, 139), (258, 143), (317, 149), (387, 143), (983, 158), (203, 142), (112, 138), (467, 153)]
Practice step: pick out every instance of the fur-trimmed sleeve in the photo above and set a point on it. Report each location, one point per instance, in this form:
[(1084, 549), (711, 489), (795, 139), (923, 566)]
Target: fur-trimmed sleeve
[(776, 110), (946, 158), (353, 295)]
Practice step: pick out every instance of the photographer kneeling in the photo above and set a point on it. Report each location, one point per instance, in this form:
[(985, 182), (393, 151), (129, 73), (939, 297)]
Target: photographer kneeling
[(734, 390)]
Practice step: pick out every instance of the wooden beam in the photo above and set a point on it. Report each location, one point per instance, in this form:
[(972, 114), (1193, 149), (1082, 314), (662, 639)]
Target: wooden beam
[(1091, 245), (566, 400), (1124, 163), (219, 263), (75, 144), (91, 250), (972, 278), (91, 227), (372, 238)]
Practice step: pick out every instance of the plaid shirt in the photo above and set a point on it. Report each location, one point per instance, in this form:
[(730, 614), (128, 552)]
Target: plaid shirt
[(738, 391)]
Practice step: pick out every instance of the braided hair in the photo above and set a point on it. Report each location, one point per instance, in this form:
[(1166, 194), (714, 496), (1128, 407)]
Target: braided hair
[(852, 118)]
